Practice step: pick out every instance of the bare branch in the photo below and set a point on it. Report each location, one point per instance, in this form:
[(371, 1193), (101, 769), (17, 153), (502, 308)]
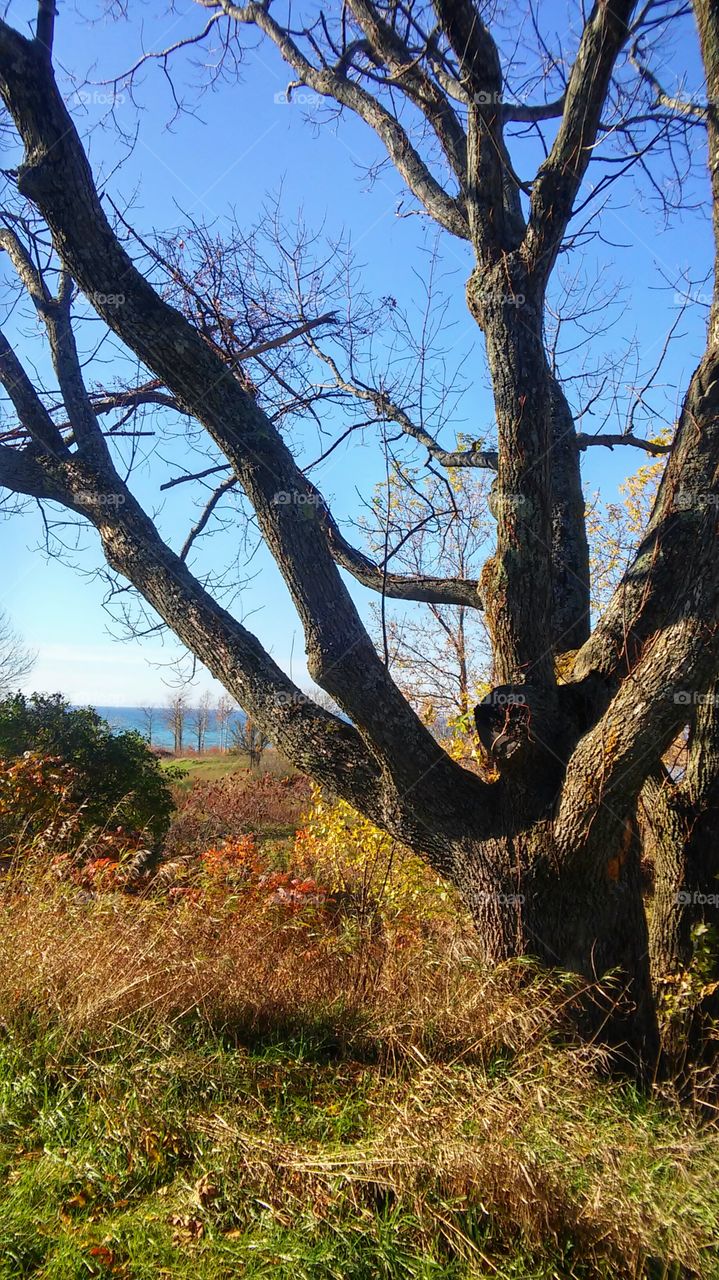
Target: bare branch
[(217, 496), (653, 447), (45, 26), (559, 178), (197, 475), (444, 208)]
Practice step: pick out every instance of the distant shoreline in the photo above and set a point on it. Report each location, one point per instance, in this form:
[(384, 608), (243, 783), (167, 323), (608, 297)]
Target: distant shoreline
[(133, 719)]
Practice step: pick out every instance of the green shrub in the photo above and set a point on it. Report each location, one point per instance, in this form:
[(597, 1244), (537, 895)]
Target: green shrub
[(117, 778)]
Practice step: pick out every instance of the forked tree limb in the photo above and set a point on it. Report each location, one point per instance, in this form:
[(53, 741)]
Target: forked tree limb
[(342, 659)]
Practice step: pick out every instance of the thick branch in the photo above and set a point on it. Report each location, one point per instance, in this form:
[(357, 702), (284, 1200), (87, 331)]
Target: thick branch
[(341, 657), (493, 207), (408, 75), (560, 177), (612, 761), (32, 413), (681, 533), (653, 447), (45, 26), (445, 209), (397, 586)]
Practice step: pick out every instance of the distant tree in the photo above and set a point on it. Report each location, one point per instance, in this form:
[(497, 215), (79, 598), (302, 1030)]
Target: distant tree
[(176, 715), (16, 661), (120, 781), (200, 720), (420, 526), (148, 719), (250, 740), (223, 715)]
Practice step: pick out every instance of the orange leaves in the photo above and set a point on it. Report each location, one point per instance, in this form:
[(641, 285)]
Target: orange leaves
[(235, 874), (284, 889), (231, 857), (238, 866), (36, 806)]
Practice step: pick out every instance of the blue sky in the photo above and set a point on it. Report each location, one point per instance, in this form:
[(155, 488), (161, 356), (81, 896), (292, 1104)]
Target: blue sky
[(220, 164)]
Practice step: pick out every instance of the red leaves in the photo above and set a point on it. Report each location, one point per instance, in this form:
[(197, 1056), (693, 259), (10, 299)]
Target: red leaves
[(37, 810)]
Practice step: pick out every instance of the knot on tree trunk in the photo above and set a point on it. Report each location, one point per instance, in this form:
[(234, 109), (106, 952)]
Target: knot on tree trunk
[(503, 721)]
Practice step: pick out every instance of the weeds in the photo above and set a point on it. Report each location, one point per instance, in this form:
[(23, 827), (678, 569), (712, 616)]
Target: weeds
[(232, 1084)]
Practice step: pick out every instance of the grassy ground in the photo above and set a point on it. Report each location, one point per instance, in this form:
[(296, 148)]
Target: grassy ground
[(201, 1078), (201, 1157), (192, 1093), (209, 768)]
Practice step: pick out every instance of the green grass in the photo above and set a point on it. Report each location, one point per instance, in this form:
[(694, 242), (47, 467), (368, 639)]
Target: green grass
[(178, 1152), (207, 768), (210, 768)]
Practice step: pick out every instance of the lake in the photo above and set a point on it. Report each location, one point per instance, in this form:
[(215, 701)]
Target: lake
[(124, 718)]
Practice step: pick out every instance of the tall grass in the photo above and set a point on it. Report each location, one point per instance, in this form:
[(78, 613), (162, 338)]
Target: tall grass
[(211, 1078), (231, 1088)]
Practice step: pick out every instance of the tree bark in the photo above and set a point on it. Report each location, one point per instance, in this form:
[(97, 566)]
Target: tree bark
[(683, 821)]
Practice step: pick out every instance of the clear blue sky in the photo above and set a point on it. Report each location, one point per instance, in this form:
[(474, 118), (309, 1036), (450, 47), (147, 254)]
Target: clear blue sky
[(241, 145)]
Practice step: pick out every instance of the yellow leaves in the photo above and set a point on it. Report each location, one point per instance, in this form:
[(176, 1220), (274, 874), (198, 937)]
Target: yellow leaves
[(615, 528), (348, 854)]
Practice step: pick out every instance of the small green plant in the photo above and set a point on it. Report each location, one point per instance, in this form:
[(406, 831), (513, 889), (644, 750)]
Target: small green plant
[(687, 997)]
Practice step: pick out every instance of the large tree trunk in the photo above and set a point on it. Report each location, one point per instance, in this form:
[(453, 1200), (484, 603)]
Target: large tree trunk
[(681, 821), (577, 916)]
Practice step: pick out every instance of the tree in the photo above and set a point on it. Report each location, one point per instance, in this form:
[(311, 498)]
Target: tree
[(545, 849), (250, 740), (148, 719), (118, 780), (16, 661), (223, 715), (423, 525), (200, 720), (176, 716)]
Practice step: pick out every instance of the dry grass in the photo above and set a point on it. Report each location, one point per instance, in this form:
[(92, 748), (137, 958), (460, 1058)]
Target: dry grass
[(81, 962), (474, 1113)]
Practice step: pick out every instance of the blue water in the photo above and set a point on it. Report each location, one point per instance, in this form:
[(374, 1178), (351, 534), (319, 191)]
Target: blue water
[(120, 718)]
